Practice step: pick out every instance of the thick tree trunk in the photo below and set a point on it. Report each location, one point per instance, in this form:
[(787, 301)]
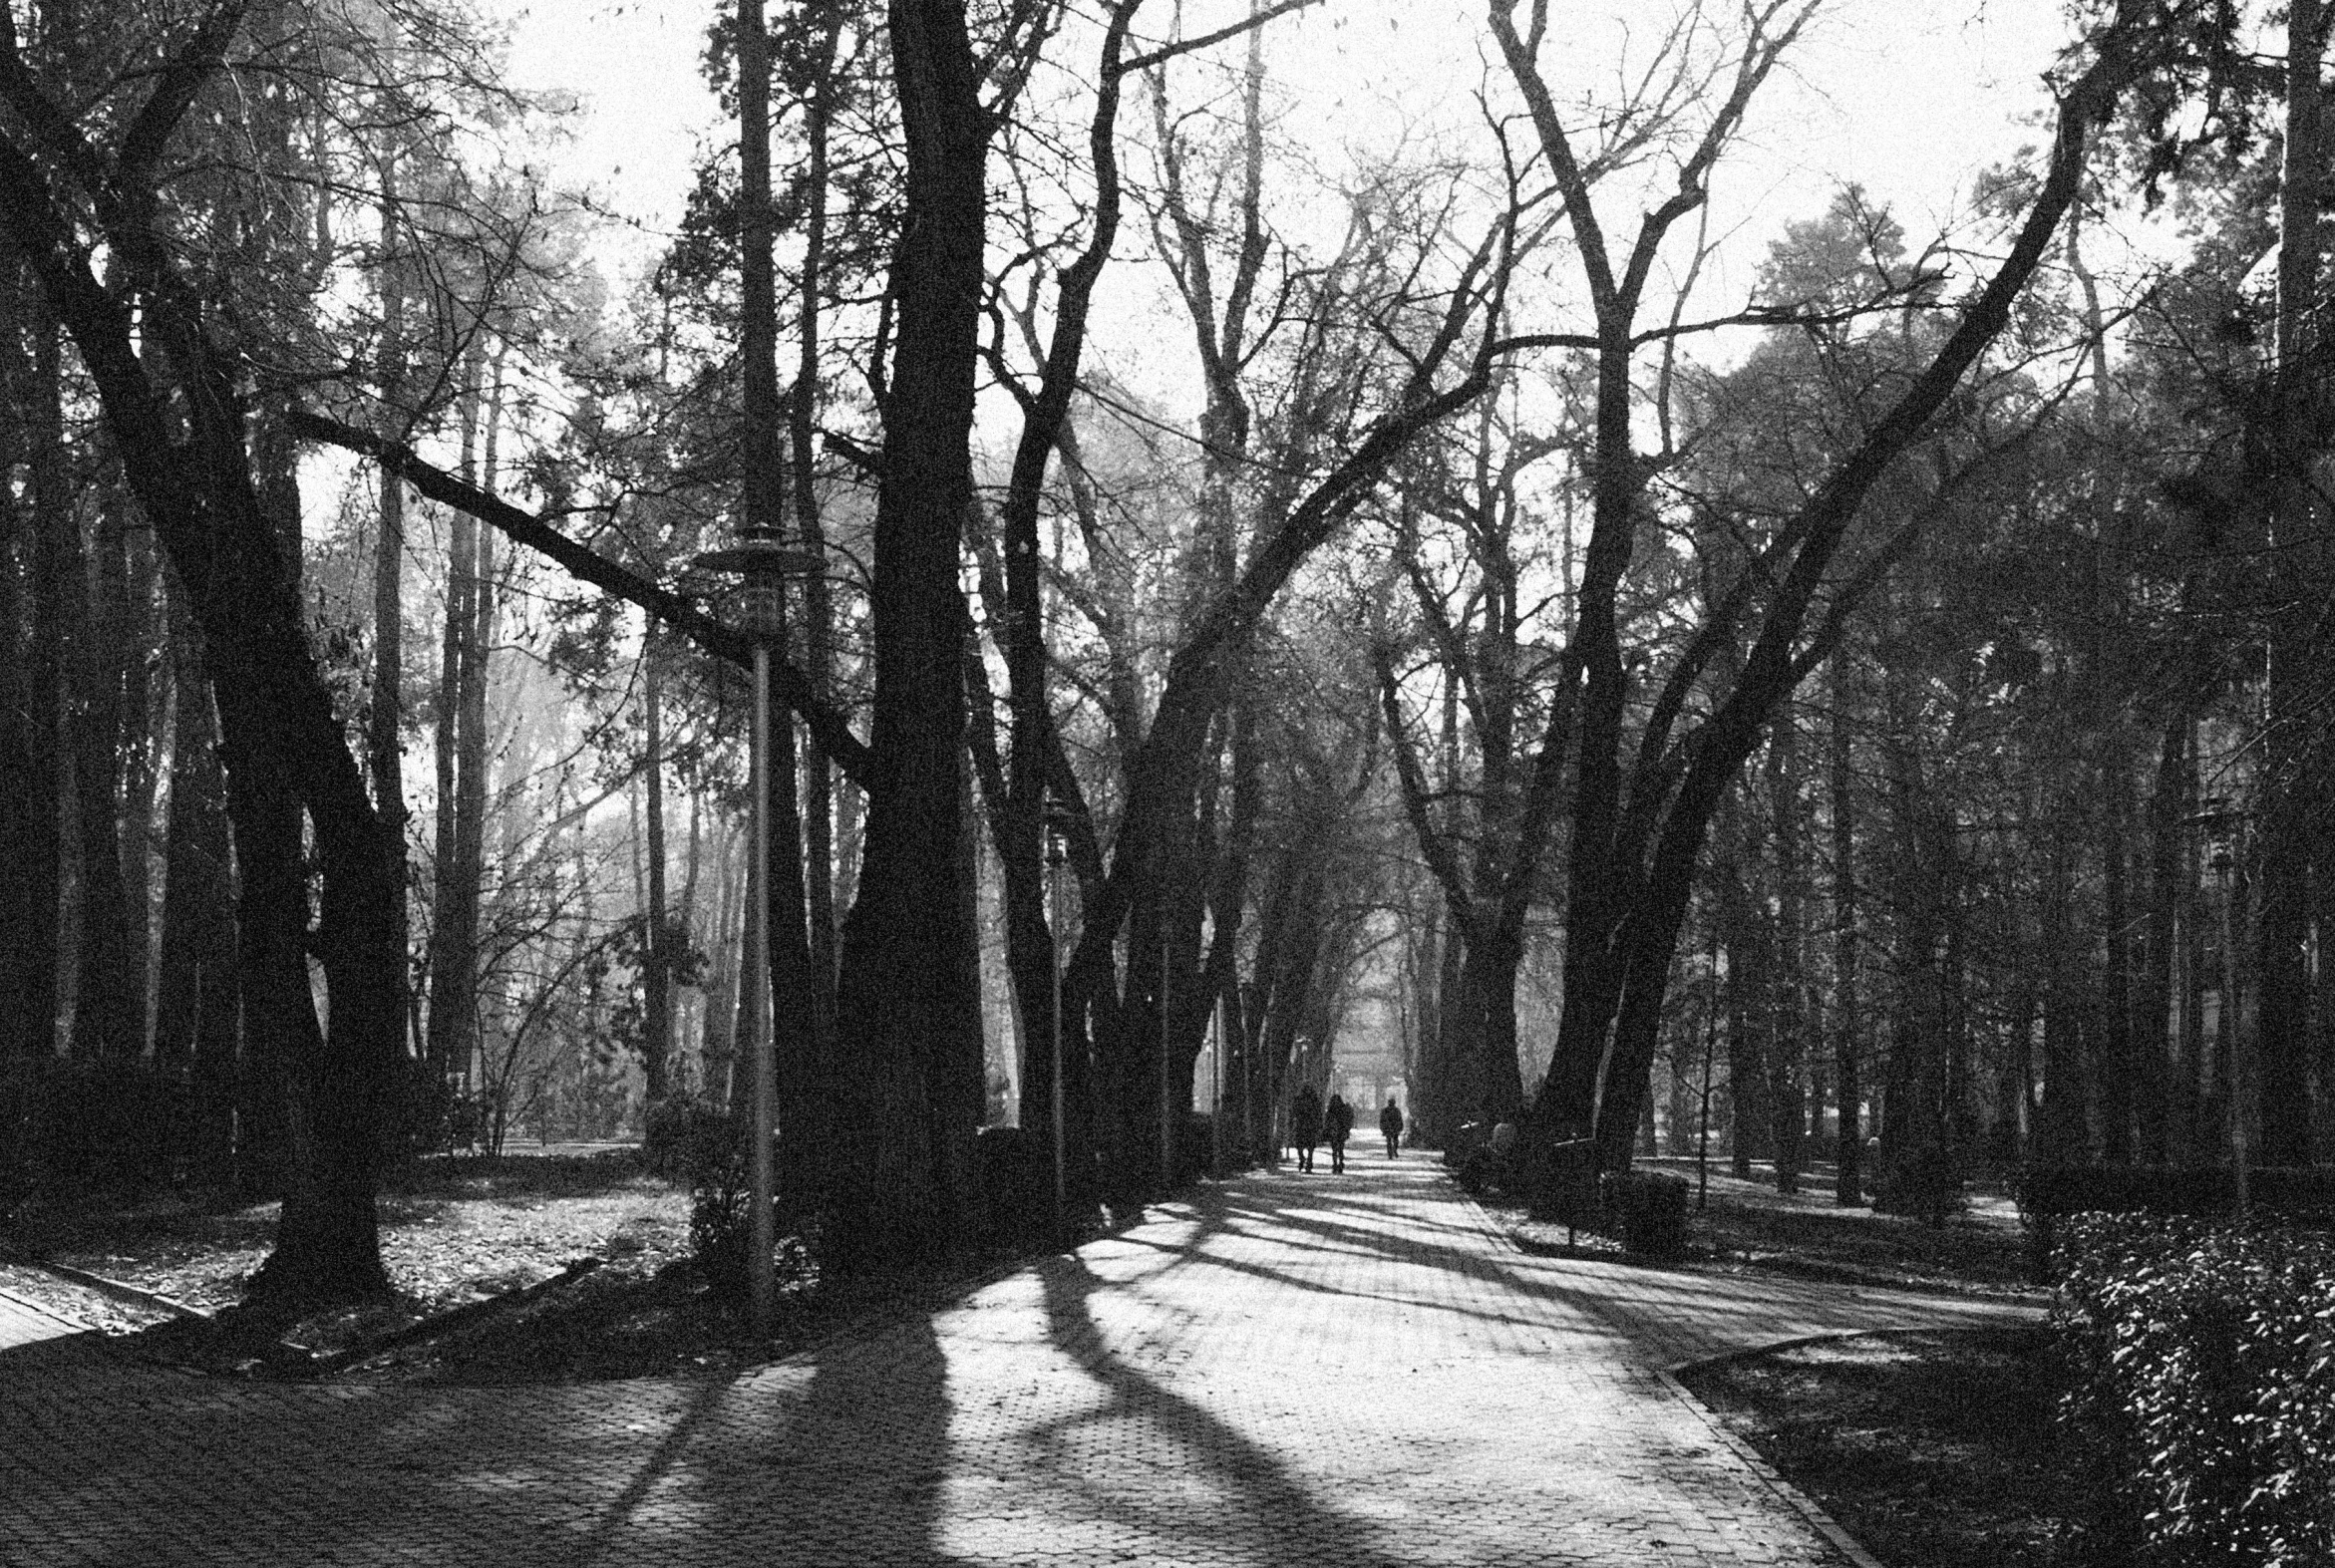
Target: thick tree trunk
[(907, 1013)]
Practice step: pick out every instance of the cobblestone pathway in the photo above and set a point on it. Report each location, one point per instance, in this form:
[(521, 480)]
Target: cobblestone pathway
[(1354, 1371)]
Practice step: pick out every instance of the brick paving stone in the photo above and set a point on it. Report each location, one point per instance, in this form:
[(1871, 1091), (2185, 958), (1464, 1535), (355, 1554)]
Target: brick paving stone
[(1282, 1370)]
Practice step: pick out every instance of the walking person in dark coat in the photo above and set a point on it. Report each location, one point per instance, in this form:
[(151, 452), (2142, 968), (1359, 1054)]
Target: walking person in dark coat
[(1339, 1125), (1390, 1123), (1305, 1123)]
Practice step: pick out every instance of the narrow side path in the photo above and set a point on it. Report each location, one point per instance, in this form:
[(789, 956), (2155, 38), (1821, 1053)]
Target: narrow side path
[(1285, 1369)]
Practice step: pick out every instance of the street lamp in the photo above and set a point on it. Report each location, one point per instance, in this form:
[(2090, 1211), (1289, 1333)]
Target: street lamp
[(762, 563), (1056, 854), (1167, 1103)]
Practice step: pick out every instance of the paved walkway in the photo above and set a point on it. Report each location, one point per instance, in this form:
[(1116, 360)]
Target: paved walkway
[(1353, 1371)]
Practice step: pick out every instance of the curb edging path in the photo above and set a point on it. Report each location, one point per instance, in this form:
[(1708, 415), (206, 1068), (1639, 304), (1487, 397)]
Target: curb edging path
[(1279, 1369)]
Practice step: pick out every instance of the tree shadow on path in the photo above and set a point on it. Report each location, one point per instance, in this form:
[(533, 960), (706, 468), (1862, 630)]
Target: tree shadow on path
[(1240, 1500)]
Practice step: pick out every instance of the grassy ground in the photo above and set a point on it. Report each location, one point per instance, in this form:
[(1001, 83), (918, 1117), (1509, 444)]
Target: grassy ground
[(453, 1230), (518, 1268), (528, 1267)]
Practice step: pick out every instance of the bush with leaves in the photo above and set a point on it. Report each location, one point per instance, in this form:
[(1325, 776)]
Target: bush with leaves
[(2200, 1401), (683, 1135), (721, 1208)]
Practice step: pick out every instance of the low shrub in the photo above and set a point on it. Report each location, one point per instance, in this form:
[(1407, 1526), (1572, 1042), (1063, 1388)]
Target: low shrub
[(684, 1137), (2200, 1412), (1647, 1210), (721, 1233), (1922, 1180)]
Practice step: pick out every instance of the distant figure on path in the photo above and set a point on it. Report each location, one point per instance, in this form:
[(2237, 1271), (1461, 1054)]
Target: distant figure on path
[(1340, 1117), (1305, 1123), (1390, 1121)]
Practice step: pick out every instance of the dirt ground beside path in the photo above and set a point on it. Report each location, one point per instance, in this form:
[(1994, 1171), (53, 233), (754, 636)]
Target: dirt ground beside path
[(1934, 1448)]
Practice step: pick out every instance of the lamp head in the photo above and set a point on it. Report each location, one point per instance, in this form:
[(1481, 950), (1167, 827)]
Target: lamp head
[(762, 563)]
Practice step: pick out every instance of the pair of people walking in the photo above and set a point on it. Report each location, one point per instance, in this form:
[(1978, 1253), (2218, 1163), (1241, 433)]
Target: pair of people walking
[(1310, 1122)]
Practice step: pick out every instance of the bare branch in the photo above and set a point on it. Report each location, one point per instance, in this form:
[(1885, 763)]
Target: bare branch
[(826, 725), (1168, 52)]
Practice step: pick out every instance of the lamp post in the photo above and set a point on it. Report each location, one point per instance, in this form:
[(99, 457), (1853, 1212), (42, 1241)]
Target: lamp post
[(762, 563), (2225, 867), (1166, 1106), (1055, 855)]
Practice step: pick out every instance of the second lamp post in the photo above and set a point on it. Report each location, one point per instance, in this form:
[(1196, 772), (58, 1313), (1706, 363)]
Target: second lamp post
[(762, 563)]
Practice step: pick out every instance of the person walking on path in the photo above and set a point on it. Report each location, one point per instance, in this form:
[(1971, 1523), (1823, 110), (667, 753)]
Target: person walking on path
[(1340, 1127), (1305, 1123), (1390, 1123)]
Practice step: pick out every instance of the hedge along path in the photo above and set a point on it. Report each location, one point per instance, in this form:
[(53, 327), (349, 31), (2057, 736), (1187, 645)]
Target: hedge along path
[(2204, 1397), (1358, 1370)]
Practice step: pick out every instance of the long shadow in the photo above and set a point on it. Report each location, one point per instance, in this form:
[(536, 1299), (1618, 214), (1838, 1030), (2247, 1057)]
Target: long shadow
[(844, 1456), (1331, 1221), (840, 1457), (1337, 1235), (1260, 1509)]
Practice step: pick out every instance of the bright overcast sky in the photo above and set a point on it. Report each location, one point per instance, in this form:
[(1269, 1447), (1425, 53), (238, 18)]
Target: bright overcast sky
[(1908, 96)]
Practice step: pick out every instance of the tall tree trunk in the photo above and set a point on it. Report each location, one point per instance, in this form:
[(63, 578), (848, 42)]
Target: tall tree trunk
[(2062, 1136), (818, 774), (1637, 835), (384, 722), (656, 932), (1787, 1107), (803, 1099), (1848, 1013), (107, 1015), (196, 996), (2157, 1044), (226, 515), (1747, 1073), (2286, 835), (453, 905), (2118, 1101), (146, 717), (31, 735)]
